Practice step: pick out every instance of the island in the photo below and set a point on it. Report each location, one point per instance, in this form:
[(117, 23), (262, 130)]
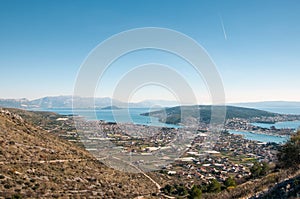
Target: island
[(110, 108)]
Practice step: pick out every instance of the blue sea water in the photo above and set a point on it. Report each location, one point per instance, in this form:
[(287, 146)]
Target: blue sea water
[(131, 115), (261, 137), (280, 125)]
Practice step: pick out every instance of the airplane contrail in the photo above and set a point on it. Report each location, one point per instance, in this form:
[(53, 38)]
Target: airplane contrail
[(225, 35)]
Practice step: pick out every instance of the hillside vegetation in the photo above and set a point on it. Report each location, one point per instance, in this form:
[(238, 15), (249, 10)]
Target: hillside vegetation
[(203, 113)]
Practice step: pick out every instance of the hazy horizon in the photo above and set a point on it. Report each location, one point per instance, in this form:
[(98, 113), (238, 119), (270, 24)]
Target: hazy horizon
[(151, 99)]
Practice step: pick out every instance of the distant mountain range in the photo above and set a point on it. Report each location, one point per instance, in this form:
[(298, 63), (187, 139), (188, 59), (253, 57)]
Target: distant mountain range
[(81, 102)]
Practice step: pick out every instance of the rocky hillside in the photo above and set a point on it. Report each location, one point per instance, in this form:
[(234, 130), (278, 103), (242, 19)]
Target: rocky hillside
[(34, 163), (282, 184)]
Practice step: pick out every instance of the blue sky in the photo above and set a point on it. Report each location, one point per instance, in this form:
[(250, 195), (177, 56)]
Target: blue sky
[(43, 43)]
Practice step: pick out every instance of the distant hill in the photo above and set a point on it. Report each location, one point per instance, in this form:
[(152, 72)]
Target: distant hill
[(37, 164), (203, 113), (81, 102), (14, 103), (67, 102), (159, 103), (284, 107)]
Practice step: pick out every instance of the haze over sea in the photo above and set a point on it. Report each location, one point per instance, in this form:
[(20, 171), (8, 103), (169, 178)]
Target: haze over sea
[(283, 110)]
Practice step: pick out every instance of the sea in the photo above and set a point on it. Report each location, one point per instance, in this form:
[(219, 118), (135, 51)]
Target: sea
[(265, 138), (131, 115), (279, 125)]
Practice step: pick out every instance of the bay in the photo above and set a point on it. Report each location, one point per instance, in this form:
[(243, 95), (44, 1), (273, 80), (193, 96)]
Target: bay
[(131, 115), (279, 125), (261, 137)]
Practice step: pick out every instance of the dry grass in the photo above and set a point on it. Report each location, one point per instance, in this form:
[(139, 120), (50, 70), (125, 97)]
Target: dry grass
[(34, 163)]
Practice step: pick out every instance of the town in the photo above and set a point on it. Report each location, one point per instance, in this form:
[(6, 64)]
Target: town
[(186, 155)]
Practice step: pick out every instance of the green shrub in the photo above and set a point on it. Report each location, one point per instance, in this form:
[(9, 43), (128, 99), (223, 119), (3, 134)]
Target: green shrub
[(230, 182), (214, 186), (195, 193), (16, 196), (289, 153)]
